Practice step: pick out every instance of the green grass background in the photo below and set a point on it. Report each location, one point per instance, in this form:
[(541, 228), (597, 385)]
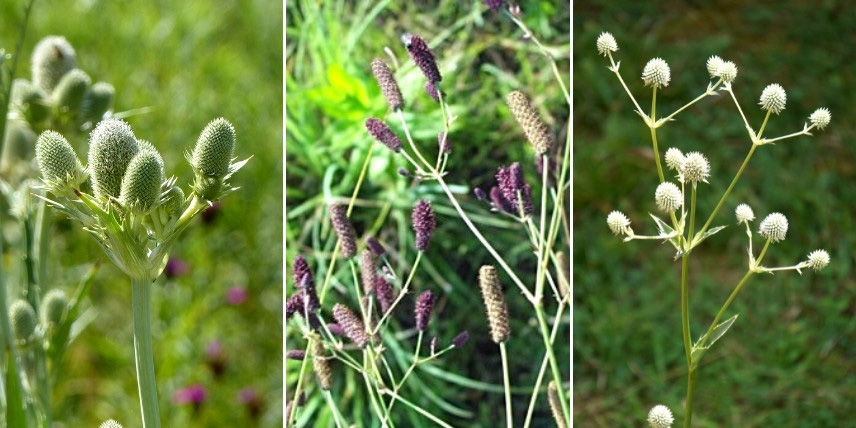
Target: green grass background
[(190, 62), (788, 360)]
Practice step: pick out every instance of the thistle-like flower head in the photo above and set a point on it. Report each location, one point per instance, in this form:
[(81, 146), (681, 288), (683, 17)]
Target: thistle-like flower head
[(744, 213), (713, 65), (773, 98), (606, 43), (212, 155), (110, 423), (388, 84), (23, 319), (423, 224), (98, 100), (818, 259), (774, 227), (381, 132), (52, 58), (660, 417), (112, 145), (173, 201), (71, 90), (820, 118), (54, 305), (617, 222), (728, 71), (141, 185), (656, 73), (424, 306), (674, 159), (695, 167), (668, 197), (57, 160)]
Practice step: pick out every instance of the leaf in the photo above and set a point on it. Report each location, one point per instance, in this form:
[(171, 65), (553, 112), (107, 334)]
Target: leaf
[(15, 413), (664, 228), (720, 330), (707, 234)]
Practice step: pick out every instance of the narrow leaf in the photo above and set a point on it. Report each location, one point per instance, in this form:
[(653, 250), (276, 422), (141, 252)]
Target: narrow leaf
[(720, 330)]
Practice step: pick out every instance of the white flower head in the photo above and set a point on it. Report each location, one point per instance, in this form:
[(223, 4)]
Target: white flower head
[(606, 43), (656, 73), (773, 98), (744, 213), (660, 417), (774, 227), (820, 118), (674, 158), (818, 259), (728, 71), (668, 197), (713, 64), (695, 167), (618, 222)]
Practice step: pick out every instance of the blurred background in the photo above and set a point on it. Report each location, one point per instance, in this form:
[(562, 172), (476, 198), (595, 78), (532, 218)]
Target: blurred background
[(330, 93), (788, 360), (218, 310)]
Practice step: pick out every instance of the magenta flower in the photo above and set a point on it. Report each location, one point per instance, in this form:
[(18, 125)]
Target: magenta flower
[(211, 213), (253, 402), (215, 358), (236, 295), (175, 267), (194, 394)]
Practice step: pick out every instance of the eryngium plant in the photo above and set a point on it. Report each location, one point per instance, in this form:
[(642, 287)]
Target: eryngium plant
[(691, 169), (133, 211)]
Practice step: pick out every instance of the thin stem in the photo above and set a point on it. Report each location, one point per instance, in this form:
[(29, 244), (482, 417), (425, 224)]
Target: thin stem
[(690, 232), (690, 393), (727, 191), (410, 141), (554, 365), (543, 252), (410, 369), (614, 69), (337, 417), (654, 136), (685, 320), (544, 361), (509, 418), (401, 294), (706, 93), (147, 386), (544, 52), (422, 411)]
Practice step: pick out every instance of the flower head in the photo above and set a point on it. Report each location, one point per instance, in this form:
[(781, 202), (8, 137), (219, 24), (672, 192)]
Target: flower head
[(818, 259), (344, 230), (535, 130), (774, 227), (194, 394), (494, 301), (660, 417), (388, 84), (695, 167), (215, 358), (494, 4), (141, 185), (368, 270), (728, 71), (54, 305), (424, 306), (713, 65), (656, 73), (57, 160), (668, 197), (252, 401), (112, 145), (23, 320), (353, 326), (236, 295), (461, 339), (744, 213), (773, 98), (381, 132), (423, 224), (422, 57), (433, 92), (98, 100), (618, 222), (820, 118), (383, 292), (674, 159), (214, 148), (321, 365), (375, 246), (606, 44), (71, 90), (52, 58), (110, 423)]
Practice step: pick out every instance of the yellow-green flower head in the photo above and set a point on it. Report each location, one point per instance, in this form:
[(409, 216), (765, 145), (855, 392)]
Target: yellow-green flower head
[(668, 197), (57, 160), (674, 159), (773, 98), (112, 145), (29, 100), (173, 201), (213, 152), (617, 222), (54, 305), (774, 227), (606, 43), (98, 100), (141, 185), (744, 213), (660, 417), (656, 73), (71, 90), (818, 259), (52, 57), (695, 167), (820, 118), (23, 320)]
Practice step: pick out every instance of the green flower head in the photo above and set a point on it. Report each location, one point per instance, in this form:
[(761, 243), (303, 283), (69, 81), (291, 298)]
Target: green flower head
[(173, 201), (54, 305), (57, 160), (112, 145), (52, 58), (141, 185), (23, 320), (71, 90), (212, 155), (98, 100), (29, 100)]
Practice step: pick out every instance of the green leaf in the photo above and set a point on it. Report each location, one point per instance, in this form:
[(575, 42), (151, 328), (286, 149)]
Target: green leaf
[(707, 234), (720, 330), (15, 413), (662, 227)]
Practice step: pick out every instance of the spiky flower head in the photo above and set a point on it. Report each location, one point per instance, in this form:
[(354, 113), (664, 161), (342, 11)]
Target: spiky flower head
[(110, 423), (57, 160), (818, 259), (54, 305), (773, 98), (744, 213), (98, 100), (668, 197), (388, 84), (320, 364), (424, 306), (141, 185), (353, 326), (173, 201), (713, 65), (423, 224), (618, 223), (71, 90), (660, 417), (820, 118), (774, 227), (656, 73), (52, 58), (381, 132), (556, 405), (368, 270), (23, 319), (212, 154), (112, 145), (674, 159), (606, 43), (535, 130), (344, 230), (30, 100), (422, 57), (728, 71), (695, 167), (494, 301)]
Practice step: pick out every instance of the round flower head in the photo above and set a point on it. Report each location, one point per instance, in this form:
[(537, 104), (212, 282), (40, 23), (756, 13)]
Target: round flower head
[(57, 160), (606, 43), (98, 100), (774, 227), (744, 213), (820, 118), (656, 73), (141, 185), (53, 307), (818, 259), (728, 71), (112, 145), (618, 222), (695, 167), (773, 98), (713, 65), (71, 90), (660, 417), (110, 423), (52, 57), (674, 159), (212, 154), (23, 319), (668, 197)]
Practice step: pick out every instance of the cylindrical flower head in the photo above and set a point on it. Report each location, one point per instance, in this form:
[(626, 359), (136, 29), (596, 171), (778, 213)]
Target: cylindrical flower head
[(381, 132), (173, 201), (433, 92), (23, 319), (52, 57), (112, 145), (294, 304), (773, 98), (141, 185), (774, 227), (744, 213), (212, 154), (310, 295), (713, 65), (375, 246), (695, 167), (57, 160), (423, 224), (668, 197), (555, 405), (321, 365), (461, 339), (660, 417), (656, 73), (424, 306), (295, 354), (98, 100), (353, 326), (300, 268), (674, 159), (617, 222), (820, 118), (388, 84), (344, 230), (368, 271), (30, 100), (422, 57), (494, 301), (606, 43), (818, 259), (499, 202), (71, 90), (54, 305), (535, 130), (384, 293)]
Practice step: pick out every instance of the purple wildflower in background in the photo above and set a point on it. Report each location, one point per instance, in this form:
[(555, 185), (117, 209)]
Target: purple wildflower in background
[(424, 306), (295, 354), (236, 295), (294, 304), (388, 85), (461, 339), (215, 358), (375, 246), (194, 394), (211, 213), (422, 57), (423, 224), (252, 401), (499, 202), (299, 268), (494, 4), (175, 267), (382, 133), (510, 181), (385, 295), (480, 195)]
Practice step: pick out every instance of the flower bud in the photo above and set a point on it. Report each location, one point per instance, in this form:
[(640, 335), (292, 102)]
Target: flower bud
[(744, 213), (57, 160), (381, 132), (212, 154), (713, 65), (173, 201), (535, 130), (112, 145), (674, 159), (424, 306), (98, 100), (461, 339), (110, 423), (494, 301), (29, 100), (141, 185), (207, 188), (52, 58), (18, 146), (23, 320), (54, 305), (70, 91)]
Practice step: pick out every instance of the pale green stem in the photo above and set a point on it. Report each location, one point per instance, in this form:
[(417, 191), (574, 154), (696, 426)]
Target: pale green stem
[(706, 93), (685, 327), (377, 407), (337, 417), (690, 233), (422, 411), (147, 386), (783, 137), (554, 365), (654, 136), (543, 252), (727, 191), (410, 141), (409, 370), (509, 418), (544, 361), (544, 52), (401, 294), (614, 69)]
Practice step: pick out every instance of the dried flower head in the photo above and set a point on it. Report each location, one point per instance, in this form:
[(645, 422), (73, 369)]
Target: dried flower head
[(668, 197), (535, 130), (423, 224), (606, 43), (353, 326), (695, 167), (774, 227), (744, 213), (368, 270), (344, 230), (618, 223), (494, 301), (773, 98), (713, 65), (320, 364), (422, 57), (388, 84), (381, 132), (656, 73), (818, 259), (674, 159), (424, 306), (820, 118), (660, 417), (556, 405)]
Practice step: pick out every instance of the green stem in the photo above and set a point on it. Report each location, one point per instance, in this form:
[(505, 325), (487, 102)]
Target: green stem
[(509, 417), (544, 361), (554, 365), (727, 191), (685, 324), (654, 136), (147, 386), (690, 393)]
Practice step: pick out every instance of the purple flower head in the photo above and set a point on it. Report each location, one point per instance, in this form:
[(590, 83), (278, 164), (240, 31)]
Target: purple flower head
[(344, 230), (424, 305), (353, 326), (294, 304), (382, 133), (494, 4), (211, 213), (385, 295), (423, 224), (175, 267), (368, 270), (480, 195), (295, 354), (300, 268), (194, 394), (422, 57), (375, 246), (215, 358), (431, 90), (445, 144), (336, 329), (499, 202), (236, 295), (511, 181), (252, 401), (388, 85), (461, 339)]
